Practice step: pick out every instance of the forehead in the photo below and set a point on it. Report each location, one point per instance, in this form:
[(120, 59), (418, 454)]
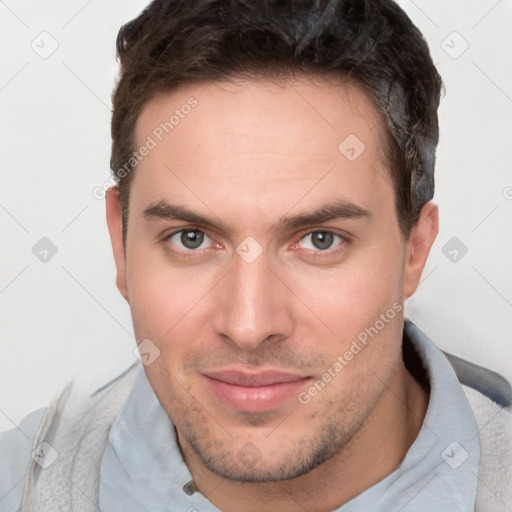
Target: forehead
[(261, 143)]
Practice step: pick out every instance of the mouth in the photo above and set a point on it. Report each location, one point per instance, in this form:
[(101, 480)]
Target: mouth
[(254, 391)]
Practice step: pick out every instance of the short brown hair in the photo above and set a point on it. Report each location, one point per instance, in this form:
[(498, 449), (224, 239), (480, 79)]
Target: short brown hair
[(174, 42)]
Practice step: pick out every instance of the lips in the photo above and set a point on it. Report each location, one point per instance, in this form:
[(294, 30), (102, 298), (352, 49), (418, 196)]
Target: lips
[(254, 391), (253, 380)]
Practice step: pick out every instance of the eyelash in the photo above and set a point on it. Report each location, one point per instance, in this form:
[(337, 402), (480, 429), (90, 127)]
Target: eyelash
[(183, 253), (318, 253), (186, 253)]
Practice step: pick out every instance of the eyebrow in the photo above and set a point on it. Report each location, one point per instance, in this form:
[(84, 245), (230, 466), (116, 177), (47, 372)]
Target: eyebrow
[(331, 211)]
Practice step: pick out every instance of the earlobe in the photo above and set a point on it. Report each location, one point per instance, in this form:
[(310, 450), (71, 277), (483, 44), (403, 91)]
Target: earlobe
[(418, 247), (115, 228)]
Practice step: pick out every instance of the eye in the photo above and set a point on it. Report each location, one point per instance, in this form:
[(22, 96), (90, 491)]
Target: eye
[(189, 239), (320, 240)]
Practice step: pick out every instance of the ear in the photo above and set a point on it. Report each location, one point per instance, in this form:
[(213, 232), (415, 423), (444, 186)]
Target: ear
[(115, 228), (418, 247)]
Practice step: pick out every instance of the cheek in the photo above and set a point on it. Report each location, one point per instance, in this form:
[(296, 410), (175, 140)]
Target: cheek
[(162, 296), (351, 297)]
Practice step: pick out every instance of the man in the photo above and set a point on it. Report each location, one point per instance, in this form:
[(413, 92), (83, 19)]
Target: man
[(271, 212)]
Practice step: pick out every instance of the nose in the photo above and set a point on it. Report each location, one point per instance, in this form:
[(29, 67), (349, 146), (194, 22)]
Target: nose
[(252, 305)]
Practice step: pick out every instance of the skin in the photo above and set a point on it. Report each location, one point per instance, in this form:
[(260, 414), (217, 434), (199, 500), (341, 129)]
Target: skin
[(250, 153)]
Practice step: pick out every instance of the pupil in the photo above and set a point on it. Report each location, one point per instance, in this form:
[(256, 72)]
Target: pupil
[(322, 240), (192, 239)]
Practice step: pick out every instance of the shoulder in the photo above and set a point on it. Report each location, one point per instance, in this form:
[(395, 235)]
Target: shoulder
[(16, 447), (485, 381), (77, 403), (490, 397)]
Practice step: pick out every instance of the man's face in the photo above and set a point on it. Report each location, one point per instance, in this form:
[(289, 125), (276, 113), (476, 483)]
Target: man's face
[(253, 308)]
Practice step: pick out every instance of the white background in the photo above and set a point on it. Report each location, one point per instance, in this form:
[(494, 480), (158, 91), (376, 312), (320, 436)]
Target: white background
[(66, 316)]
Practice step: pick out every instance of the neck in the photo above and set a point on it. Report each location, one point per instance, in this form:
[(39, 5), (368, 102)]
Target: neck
[(374, 452)]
